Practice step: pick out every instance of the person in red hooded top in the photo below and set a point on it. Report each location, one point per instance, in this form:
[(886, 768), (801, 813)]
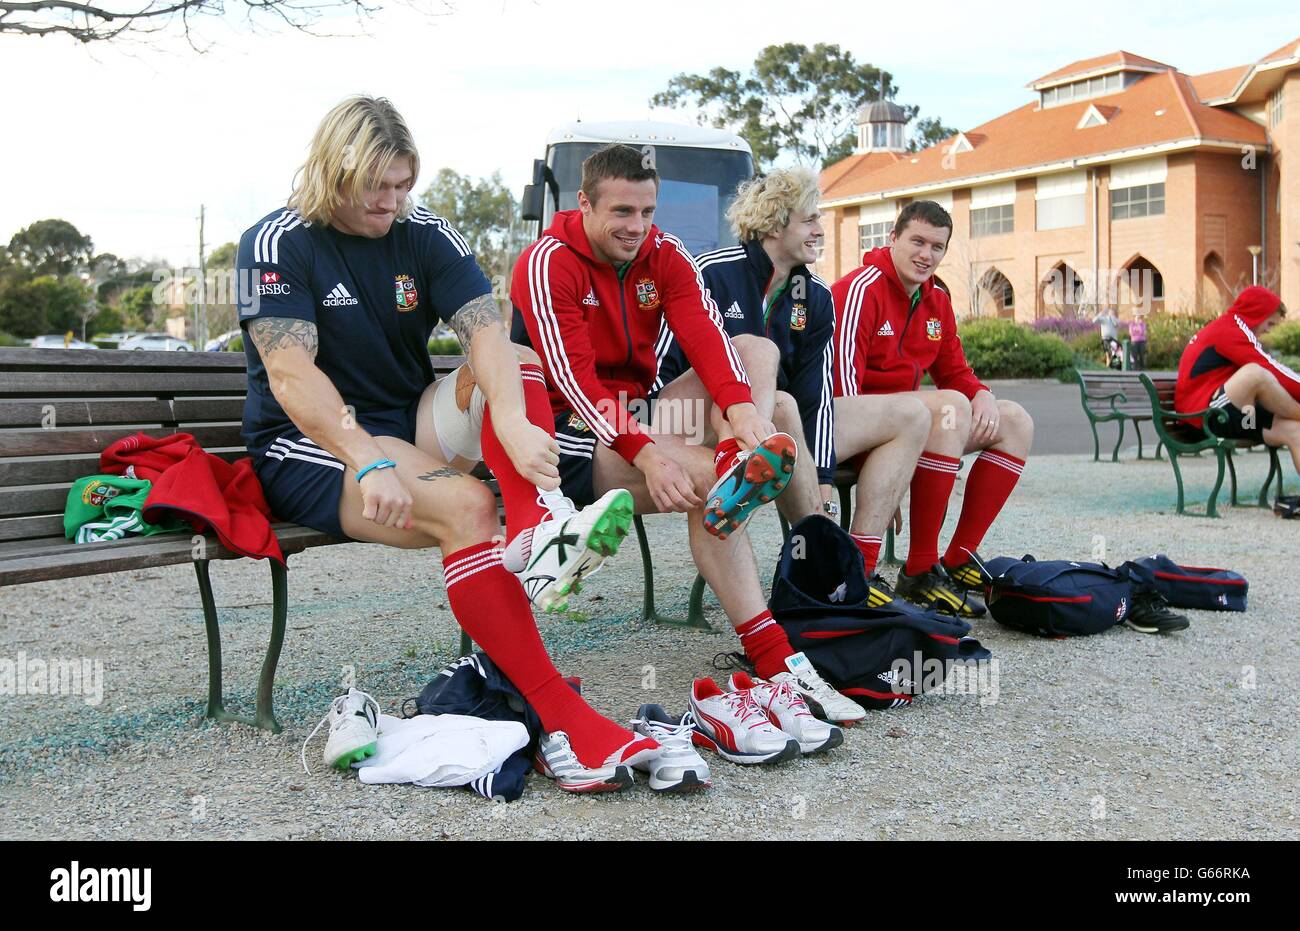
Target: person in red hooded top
[(589, 296), (893, 324), (1224, 367)]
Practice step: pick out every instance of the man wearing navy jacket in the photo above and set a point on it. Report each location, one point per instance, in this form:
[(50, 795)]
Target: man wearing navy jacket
[(764, 287)]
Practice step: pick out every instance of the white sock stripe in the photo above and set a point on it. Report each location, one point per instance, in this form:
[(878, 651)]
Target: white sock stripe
[(453, 571), (867, 538), (763, 626), (467, 573), (999, 460), (937, 465)]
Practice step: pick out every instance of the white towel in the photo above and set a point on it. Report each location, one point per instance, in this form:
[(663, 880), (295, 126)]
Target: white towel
[(440, 749)]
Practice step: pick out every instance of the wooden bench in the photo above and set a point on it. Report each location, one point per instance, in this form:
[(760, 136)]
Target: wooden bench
[(1181, 439), (1111, 396), (59, 408)]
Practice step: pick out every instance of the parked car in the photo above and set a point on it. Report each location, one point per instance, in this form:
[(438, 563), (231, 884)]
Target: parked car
[(155, 341), (115, 340), (220, 343), (54, 341)]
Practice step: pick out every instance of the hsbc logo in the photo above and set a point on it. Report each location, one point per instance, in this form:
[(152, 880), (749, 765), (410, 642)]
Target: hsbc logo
[(271, 284), (340, 297)]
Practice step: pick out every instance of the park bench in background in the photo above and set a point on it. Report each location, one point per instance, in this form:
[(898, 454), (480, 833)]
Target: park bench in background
[(1109, 396), (1181, 439)]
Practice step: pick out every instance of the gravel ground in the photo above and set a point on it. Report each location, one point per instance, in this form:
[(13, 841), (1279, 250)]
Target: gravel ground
[(1191, 736)]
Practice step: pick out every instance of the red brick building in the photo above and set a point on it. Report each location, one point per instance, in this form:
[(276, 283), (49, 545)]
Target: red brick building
[(1124, 182)]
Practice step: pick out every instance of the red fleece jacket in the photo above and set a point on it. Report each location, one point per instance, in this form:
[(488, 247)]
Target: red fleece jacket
[(199, 487)]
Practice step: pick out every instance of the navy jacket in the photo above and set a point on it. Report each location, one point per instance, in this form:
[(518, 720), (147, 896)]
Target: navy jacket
[(801, 323)]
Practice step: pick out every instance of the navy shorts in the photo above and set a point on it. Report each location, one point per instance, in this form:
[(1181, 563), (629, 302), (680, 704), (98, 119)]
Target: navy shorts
[(303, 483), (1235, 428), (578, 451)]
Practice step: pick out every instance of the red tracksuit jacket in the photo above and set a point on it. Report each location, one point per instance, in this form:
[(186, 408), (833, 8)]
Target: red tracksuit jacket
[(1225, 345), (883, 346), (596, 335)]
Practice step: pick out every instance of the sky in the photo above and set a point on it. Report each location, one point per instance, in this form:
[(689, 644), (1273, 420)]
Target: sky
[(126, 140)]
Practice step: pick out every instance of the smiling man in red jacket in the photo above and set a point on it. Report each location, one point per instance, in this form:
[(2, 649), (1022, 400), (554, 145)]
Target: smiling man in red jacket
[(893, 324), (589, 297)]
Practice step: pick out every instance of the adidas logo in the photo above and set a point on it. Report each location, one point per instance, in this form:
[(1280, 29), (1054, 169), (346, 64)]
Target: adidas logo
[(339, 297), (734, 311), (590, 299), (885, 330)]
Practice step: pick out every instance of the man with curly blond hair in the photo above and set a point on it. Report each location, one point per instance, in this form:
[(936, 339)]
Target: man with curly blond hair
[(765, 287)]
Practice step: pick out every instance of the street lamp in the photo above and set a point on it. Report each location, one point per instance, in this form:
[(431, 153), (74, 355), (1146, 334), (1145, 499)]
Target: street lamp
[(1254, 263)]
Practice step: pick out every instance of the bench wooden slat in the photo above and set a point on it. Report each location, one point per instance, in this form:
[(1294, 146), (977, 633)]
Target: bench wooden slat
[(22, 528), (66, 469), (120, 384), (94, 439), (21, 563), (84, 360), (83, 413), (24, 502), (190, 410)]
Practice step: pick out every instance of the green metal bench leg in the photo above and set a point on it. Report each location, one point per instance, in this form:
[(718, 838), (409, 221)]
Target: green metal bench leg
[(1178, 477), (846, 506), (1137, 428), (890, 558), (1274, 468), (785, 527), (1096, 441), (264, 715), (1232, 471), (466, 644), (1211, 508), (695, 612), (1114, 453), (1160, 445)]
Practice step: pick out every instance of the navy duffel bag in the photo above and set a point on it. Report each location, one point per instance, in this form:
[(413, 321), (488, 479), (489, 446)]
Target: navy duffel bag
[(1188, 586), (1057, 597), (820, 597)]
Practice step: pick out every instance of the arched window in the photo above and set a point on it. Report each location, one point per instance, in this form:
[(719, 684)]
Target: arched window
[(995, 295), (1063, 291), (1140, 284)]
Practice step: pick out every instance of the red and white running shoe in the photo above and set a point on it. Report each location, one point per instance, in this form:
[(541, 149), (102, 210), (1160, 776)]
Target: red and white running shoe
[(787, 710), (556, 760), (734, 726)]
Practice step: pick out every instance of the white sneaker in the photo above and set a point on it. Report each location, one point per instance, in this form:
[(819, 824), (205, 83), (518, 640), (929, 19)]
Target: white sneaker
[(354, 730), (831, 704), (733, 725), (786, 708), (566, 550), (556, 759), (677, 767)]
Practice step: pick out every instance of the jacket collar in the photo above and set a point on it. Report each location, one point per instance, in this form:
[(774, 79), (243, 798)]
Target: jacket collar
[(760, 264)]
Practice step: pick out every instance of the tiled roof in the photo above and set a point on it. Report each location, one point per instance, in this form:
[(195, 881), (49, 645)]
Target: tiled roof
[(848, 174), (1215, 84), (1030, 136), (1290, 50), (1108, 62)]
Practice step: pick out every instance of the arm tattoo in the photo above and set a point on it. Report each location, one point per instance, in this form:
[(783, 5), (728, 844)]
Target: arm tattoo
[(445, 472), (481, 312), (272, 333)]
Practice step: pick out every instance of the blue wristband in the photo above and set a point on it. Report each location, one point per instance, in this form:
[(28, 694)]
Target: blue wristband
[(377, 464)]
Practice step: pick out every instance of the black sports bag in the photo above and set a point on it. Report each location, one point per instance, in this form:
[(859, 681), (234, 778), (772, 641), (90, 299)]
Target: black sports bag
[(1057, 597), (1188, 586), (879, 657)]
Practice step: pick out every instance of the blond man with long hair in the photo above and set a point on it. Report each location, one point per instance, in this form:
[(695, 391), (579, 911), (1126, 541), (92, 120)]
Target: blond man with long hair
[(351, 435), (766, 287)]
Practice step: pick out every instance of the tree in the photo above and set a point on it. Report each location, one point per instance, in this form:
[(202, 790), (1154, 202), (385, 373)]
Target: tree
[(111, 19), (50, 247), (42, 305), (795, 100), (927, 132), (137, 307), (486, 213)]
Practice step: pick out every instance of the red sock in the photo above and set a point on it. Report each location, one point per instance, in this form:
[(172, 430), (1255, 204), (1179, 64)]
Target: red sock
[(725, 455), (766, 644), (492, 608), (517, 493), (931, 486), (870, 547), (988, 486)]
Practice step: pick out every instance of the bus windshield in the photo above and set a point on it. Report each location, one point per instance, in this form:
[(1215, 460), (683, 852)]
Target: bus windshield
[(696, 186)]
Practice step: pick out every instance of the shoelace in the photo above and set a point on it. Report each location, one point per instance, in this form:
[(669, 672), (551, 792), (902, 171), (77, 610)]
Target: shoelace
[(670, 736), (784, 690), (744, 706), (560, 753), (558, 512), (336, 706)]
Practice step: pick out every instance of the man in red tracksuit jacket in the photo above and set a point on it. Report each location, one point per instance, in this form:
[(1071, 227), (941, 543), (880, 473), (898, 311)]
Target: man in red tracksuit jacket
[(588, 297), (892, 325), (1225, 367)]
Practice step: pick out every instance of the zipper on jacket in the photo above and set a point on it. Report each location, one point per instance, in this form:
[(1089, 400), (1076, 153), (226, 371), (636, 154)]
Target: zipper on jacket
[(627, 332), (916, 379)]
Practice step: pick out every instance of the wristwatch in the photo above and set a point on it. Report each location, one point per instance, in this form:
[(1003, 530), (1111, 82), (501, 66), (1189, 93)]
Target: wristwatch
[(831, 508)]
